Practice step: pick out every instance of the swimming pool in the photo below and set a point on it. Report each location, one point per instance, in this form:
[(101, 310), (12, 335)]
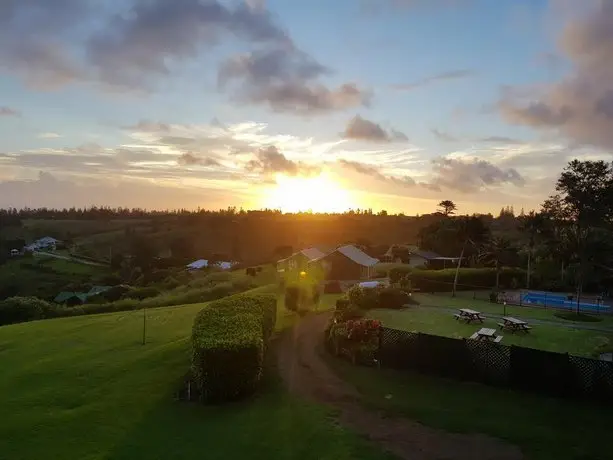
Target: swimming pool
[(556, 300)]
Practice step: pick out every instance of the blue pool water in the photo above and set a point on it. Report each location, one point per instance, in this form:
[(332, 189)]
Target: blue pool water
[(560, 301)]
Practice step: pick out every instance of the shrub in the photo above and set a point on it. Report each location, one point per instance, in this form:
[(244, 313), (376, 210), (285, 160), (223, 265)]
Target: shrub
[(301, 296), (364, 298), (228, 341), (342, 304), (333, 287), (142, 293), (21, 309), (393, 298)]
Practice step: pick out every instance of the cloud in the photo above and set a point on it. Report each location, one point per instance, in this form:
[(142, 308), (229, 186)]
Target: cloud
[(9, 112), (579, 107), (499, 140), (359, 128), (189, 159), (470, 175), (135, 47), (48, 190), (287, 80), (146, 126), (445, 76), (443, 136), (49, 136), (269, 161), (375, 172)]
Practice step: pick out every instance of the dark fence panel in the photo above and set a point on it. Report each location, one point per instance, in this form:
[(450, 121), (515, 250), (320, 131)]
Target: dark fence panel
[(543, 371), (522, 368)]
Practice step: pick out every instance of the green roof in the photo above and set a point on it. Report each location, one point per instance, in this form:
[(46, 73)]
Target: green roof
[(95, 290), (64, 296)]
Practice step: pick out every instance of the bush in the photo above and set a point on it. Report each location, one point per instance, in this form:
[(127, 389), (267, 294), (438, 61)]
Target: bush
[(142, 293), (342, 304), (364, 298), (333, 287), (228, 341), (394, 298), (21, 309), (301, 296)]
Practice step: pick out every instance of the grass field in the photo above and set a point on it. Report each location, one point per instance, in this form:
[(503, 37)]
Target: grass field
[(86, 388), (465, 300), (544, 337), (545, 428)]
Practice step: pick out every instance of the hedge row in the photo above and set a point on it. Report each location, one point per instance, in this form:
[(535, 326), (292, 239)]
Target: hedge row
[(228, 342), (22, 309), (468, 278)]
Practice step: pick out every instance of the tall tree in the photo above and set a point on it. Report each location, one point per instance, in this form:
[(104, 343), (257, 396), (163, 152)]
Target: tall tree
[(498, 251), (473, 233), (584, 205), (447, 207)]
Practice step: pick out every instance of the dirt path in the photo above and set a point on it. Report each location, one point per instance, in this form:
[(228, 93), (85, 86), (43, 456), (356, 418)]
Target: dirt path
[(306, 374)]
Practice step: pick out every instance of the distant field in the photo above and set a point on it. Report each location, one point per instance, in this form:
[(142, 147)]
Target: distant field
[(85, 388)]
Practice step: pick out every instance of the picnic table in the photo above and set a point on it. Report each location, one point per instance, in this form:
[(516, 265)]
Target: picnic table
[(486, 334), (468, 315), (514, 324)]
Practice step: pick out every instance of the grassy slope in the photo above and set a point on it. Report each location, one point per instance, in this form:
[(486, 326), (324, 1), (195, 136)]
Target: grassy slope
[(29, 281), (86, 388), (545, 428)]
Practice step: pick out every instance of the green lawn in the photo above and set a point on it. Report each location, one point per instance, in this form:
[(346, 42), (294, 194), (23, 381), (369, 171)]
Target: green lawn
[(465, 300), (440, 322), (545, 428), (85, 388)]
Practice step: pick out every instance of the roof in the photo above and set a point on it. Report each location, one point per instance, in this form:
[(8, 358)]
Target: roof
[(64, 296), (95, 290), (357, 255), (200, 263), (428, 255), (312, 253)]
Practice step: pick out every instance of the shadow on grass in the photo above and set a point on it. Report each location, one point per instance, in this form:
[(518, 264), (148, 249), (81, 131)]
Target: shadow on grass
[(544, 427)]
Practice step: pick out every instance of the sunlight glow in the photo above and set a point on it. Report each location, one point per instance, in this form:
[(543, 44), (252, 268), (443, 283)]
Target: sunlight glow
[(317, 194)]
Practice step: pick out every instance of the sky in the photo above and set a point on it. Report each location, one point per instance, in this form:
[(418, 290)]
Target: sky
[(382, 104)]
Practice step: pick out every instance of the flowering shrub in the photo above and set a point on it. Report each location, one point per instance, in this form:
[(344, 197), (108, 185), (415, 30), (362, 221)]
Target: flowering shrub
[(357, 330)]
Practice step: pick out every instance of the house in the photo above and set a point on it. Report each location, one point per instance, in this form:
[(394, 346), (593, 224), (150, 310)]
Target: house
[(42, 244), (299, 260), (420, 258), (71, 298), (203, 263), (346, 263)]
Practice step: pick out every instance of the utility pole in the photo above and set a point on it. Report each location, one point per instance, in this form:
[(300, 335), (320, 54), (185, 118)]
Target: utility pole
[(144, 324)]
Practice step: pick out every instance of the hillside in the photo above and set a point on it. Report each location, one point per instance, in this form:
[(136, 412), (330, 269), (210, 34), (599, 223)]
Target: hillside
[(86, 388)]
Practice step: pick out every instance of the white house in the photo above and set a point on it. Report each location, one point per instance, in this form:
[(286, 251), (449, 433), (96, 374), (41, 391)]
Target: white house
[(45, 243)]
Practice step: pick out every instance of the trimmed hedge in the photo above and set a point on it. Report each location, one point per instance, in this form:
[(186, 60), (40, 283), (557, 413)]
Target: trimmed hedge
[(468, 278), (228, 342)]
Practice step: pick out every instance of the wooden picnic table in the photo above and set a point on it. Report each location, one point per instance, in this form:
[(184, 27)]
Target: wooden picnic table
[(468, 315), (514, 324), (486, 334)]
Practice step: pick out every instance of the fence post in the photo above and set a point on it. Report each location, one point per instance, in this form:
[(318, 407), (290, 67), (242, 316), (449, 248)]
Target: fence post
[(379, 345)]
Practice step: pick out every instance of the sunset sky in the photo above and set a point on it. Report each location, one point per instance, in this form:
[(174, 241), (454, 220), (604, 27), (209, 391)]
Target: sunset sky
[(387, 104)]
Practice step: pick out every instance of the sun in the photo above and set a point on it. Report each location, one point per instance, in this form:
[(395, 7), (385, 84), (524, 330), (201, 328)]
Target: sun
[(317, 194)]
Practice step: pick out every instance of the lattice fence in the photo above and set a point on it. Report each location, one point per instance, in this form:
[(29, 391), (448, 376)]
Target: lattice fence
[(496, 364)]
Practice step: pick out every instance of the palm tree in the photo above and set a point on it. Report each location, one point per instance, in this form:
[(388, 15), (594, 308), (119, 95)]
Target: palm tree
[(497, 251)]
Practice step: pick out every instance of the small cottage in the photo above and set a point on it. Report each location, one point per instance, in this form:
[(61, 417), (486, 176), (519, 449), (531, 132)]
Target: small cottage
[(346, 263)]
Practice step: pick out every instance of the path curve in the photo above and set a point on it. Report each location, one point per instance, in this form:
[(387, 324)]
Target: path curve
[(307, 374)]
